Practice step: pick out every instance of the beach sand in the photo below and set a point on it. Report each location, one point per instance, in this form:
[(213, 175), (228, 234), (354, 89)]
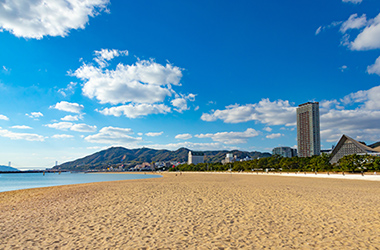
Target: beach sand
[(204, 211)]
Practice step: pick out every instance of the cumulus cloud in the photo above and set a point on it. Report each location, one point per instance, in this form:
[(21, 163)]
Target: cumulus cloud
[(139, 89), (68, 107), (268, 129), (231, 137), (369, 99), (71, 118), (71, 126), (361, 122), (20, 136), (374, 68), (154, 134), (83, 128), (21, 127), (267, 112), (36, 19), (3, 117), (143, 82), (180, 103), (35, 115), (369, 37), (113, 135), (136, 110), (369, 32), (275, 135), (62, 136), (183, 136)]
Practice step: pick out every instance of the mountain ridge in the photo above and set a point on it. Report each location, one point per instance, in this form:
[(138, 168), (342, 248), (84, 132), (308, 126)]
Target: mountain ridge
[(120, 155), (7, 168)]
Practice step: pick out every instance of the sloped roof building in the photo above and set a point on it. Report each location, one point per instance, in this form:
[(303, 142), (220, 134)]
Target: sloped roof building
[(349, 146)]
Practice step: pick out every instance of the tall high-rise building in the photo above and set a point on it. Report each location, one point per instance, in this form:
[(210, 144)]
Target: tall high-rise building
[(308, 131)]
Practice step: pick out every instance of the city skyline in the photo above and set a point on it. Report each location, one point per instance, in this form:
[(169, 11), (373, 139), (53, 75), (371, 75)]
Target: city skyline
[(79, 78)]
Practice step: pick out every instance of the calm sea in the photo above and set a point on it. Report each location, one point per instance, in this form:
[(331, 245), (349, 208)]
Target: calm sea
[(9, 182)]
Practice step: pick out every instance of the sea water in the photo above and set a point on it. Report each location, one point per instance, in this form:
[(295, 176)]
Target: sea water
[(9, 182)]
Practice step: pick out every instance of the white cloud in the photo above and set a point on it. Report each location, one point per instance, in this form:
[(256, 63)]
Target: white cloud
[(183, 136), (35, 115), (6, 70), (21, 127), (354, 22), (343, 68), (83, 128), (20, 136), (154, 134), (319, 30), (113, 135), (3, 117), (374, 68), (36, 19), (143, 82), (272, 113), (68, 107), (69, 90), (136, 110), (104, 55), (268, 129), (62, 136), (193, 146), (369, 98), (352, 1), (181, 102), (351, 122), (322, 28), (71, 118), (60, 125), (71, 126), (231, 137), (369, 38), (273, 136)]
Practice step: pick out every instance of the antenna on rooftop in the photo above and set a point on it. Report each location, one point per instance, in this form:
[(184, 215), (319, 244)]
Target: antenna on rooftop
[(9, 164)]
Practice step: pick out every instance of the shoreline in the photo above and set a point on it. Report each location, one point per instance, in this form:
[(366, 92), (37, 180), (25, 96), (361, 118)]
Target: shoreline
[(324, 175)]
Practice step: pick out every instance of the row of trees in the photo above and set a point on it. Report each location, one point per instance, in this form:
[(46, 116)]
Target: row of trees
[(349, 163)]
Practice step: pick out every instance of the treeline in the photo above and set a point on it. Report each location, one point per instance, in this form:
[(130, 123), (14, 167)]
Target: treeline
[(349, 163)]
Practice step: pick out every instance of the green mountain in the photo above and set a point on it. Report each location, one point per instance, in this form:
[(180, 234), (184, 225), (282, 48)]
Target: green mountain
[(130, 157), (6, 169)]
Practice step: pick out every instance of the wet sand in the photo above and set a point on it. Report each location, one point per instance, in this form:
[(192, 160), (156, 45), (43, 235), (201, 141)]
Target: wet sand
[(204, 211)]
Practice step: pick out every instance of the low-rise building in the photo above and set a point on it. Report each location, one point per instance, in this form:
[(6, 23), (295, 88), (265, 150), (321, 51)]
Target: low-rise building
[(349, 146), (195, 157), (285, 151)]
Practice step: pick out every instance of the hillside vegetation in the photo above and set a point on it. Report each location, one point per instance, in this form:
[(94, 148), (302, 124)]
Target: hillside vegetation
[(130, 157)]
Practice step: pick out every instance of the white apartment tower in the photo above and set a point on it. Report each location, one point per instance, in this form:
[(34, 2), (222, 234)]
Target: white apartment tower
[(308, 130), (195, 157)]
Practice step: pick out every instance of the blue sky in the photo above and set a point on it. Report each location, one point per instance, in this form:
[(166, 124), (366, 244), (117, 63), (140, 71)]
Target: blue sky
[(78, 77)]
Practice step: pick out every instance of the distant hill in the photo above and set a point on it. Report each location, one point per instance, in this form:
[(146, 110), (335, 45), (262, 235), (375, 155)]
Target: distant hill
[(117, 155), (6, 168)]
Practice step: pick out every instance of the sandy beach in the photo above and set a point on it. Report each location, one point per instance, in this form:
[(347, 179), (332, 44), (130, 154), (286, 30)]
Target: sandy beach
[(203, 211)]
